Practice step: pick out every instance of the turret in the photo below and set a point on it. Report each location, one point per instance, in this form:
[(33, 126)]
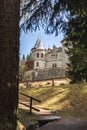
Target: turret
[(38, 54)]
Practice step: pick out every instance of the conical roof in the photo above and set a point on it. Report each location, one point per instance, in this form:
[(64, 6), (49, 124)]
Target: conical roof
[(39, 44)]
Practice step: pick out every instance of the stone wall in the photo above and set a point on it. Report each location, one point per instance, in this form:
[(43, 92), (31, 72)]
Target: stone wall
[(50, 73), (43, 74)]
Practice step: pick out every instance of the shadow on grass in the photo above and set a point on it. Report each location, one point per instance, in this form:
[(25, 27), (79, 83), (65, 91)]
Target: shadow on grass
[(74, 103), (26, 118), (66, 100)]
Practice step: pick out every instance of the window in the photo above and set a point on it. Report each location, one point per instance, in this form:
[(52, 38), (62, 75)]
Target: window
[(37, 55), (52, 56), (54, 65), (41, 55), (56, 56), (37, 64)]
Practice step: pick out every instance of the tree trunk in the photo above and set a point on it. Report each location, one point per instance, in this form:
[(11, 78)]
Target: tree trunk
[(9, 62), (53, 84)]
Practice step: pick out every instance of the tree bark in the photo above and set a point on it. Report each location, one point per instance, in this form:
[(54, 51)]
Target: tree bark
[(9, 63)]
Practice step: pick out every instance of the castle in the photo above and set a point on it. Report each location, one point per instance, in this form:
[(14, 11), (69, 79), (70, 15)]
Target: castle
[(46, 63), (48, 58)]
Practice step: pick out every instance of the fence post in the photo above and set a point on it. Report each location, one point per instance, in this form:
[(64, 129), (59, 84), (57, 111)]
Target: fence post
[(30, 105), (53, 82), (27, 83)]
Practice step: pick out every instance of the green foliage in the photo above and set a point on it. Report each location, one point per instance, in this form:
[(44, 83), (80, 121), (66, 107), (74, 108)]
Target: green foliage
[(51, 15), (21, 69), (77, 48), (23, 58), (28, 57), (77, 66)]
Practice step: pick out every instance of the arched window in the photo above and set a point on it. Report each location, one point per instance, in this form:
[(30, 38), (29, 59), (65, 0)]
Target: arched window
[(37, 64), (53, 65), (37, 55), (41, 55)]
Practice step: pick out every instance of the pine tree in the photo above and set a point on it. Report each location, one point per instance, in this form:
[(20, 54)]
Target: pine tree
[(77, 48), (76, 68), (23, 58)]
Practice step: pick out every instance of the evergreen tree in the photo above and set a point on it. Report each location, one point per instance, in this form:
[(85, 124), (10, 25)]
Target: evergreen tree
[(28, 57), (22, 68), (23, 58), (52, 16), (77, 66), (77, 48)]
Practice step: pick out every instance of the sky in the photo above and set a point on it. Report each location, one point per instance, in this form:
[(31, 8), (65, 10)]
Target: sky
[(28, 40)]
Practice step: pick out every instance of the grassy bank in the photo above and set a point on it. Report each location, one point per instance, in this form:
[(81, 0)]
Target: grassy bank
[(65, 100)]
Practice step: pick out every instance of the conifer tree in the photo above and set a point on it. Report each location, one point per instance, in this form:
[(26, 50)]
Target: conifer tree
[(23, 58)]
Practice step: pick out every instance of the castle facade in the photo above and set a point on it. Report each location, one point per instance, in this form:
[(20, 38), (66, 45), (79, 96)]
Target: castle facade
[(48, 58)]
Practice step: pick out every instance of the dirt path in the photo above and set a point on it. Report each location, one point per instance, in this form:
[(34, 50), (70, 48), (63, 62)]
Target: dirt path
[(42, 111)]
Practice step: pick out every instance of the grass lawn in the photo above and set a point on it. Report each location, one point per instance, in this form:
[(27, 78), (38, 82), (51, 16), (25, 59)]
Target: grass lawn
[(65, 100)]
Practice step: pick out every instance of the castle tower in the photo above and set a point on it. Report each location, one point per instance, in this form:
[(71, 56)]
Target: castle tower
[(38, 54), (54, 57)]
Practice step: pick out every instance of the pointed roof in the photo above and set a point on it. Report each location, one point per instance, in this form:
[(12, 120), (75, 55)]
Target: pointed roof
[(39, 44), (54, 47)]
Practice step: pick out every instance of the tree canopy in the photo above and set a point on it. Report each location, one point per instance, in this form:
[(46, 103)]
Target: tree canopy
[(52, 15)]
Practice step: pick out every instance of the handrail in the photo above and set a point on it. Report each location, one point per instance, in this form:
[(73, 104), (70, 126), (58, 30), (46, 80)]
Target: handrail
[(31, 100), (30, 97)]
